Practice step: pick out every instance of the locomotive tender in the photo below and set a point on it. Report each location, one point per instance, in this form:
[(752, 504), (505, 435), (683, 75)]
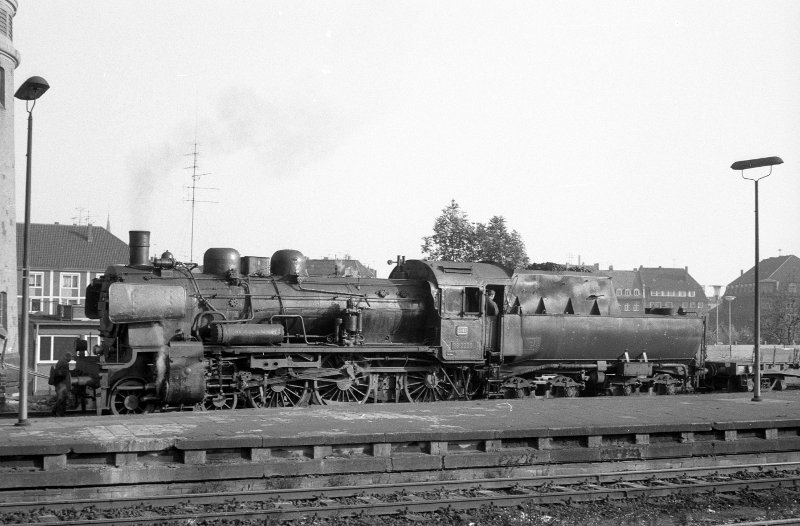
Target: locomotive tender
[(239, 333)]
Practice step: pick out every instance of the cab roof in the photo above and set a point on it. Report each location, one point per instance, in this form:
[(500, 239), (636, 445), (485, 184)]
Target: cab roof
[(453, 272)]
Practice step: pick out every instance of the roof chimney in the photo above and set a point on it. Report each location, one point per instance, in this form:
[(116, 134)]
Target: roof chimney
[(89, 237)]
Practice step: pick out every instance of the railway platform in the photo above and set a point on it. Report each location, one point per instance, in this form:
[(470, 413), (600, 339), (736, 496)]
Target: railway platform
[(119, 452)]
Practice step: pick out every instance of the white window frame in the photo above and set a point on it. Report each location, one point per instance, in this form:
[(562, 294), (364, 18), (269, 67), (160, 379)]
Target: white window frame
[(69, 299), (33, 277)]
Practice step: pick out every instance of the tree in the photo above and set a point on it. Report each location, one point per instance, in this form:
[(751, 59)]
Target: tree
[(455, 238), (780, 318), (495, 243)]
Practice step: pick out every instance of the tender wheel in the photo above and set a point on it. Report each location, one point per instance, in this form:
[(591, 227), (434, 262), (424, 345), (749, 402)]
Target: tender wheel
[(218, 401), (127, 398), (280, 391), (665, 384), (349, 384), (428, 386), (570, 391), (564, 387)]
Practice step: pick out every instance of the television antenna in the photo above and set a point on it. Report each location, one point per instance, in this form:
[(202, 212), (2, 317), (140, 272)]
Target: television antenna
[(195, 178), (83, 215)]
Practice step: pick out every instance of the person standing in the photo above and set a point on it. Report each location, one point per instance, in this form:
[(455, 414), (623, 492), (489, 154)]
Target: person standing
[(60, 379), (491, 306)]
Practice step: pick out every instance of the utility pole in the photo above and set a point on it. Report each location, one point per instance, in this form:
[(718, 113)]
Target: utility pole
[(195, 178)]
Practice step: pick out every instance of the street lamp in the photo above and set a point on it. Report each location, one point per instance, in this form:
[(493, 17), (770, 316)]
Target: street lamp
[(716, 309), (31, 89), (730, 299), (746, 165)]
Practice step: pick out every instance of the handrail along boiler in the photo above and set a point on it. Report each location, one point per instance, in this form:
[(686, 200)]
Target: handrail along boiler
[(260, 332)]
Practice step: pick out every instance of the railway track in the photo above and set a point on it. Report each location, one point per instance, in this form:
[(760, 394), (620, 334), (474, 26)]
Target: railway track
[(404, 499)]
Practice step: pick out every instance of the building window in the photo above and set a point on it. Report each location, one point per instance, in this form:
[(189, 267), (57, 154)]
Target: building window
[(619, 292), (635, 292), (700, 305), (692, 305), (36, 291), (668, 304), (684, 305), (627, 307), (692, 293), (6, 24), (792, 288), (2, 88), (70, 288), (51, 348), (636, 307), (682, 293), (627, 292)]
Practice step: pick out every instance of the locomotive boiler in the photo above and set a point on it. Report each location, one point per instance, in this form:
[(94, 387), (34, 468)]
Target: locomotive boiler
[(260, 332)]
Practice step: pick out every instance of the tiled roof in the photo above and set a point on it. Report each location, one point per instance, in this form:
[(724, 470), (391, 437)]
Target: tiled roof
[(670, 279), (624, 279), (71, 247), (766, 269), (348, 267)]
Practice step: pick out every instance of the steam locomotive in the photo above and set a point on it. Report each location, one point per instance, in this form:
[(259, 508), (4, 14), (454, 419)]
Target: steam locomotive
[(260, 332)]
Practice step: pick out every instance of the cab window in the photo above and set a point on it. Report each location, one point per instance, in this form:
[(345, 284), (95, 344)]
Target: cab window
[(472, 300), (462, 301), (452, 301)]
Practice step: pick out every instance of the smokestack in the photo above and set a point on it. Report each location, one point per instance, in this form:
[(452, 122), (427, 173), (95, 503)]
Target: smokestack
[(140, 248)]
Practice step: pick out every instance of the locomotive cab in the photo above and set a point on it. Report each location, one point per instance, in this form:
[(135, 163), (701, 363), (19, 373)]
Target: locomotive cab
[(467, 332)]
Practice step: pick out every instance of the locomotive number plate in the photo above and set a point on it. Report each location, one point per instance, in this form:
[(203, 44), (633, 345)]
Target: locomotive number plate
[(462, 346), (461, 330)]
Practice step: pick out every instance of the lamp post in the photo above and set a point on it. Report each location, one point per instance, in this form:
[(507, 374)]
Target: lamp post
[(716, 309), (31, 89), (742, 166), (730, 299)]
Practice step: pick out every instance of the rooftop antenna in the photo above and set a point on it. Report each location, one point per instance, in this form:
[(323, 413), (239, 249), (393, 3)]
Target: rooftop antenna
[(83, 215), (195, 177)]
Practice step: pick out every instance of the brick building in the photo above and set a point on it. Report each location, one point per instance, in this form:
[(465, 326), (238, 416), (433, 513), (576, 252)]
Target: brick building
[(339, 267), (657, 287), (779, 293)]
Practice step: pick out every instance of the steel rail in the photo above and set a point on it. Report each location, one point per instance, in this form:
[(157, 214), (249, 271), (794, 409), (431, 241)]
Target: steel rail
[(286, 510), (382, 489), (541, 490)]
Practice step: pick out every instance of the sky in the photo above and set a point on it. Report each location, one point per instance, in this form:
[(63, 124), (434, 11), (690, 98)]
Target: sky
[(603, 132)]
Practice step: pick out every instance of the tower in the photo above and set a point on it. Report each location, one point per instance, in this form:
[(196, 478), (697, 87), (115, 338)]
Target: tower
[(9, 60)]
